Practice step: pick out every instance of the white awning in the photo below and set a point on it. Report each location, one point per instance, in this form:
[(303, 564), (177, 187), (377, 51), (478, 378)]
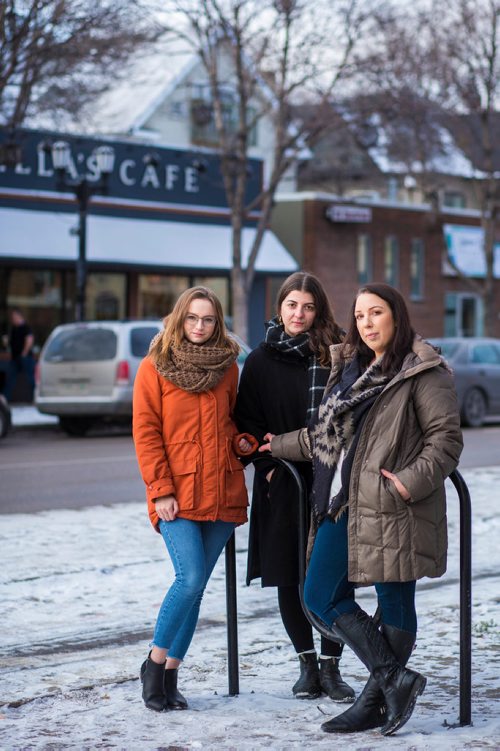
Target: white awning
[(46, 235)]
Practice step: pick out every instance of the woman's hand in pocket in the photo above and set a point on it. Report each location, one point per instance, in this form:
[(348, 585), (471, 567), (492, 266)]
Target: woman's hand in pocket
[(398, 484)]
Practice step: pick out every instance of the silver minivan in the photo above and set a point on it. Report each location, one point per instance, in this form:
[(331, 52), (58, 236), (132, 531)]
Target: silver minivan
[(86, 371)]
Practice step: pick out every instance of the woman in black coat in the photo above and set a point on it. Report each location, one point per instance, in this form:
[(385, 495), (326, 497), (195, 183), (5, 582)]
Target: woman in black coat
[(280, 388)]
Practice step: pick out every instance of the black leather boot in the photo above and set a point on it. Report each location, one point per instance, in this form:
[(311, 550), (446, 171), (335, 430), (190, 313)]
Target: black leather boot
[(399, 686), (308, 686), (331, 682), (152, 677), (369, 710), (175, 700)]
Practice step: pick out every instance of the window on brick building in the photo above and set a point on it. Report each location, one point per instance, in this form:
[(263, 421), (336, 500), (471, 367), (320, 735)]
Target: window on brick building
[(454, 199), (417, 271), (364, 259), (391, 261)]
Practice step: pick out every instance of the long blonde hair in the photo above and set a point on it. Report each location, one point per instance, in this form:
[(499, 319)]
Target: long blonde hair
[(173, 333)]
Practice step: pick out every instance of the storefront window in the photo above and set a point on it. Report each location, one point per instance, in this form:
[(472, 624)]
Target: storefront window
[(105, 297), (365, 259), (391, 261), (158, 294), (417, 269), (38, 294)]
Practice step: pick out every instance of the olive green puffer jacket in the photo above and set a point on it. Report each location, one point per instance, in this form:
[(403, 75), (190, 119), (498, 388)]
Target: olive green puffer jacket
[(412, 430)]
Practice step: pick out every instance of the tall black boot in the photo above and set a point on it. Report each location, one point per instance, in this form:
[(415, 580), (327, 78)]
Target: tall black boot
[(152, 677), (369, 710), (400, 686), (175, 700), (308, 686), (331, 682)]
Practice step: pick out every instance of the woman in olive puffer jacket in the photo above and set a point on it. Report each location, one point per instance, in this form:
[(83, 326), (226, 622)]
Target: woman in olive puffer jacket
[(386, 436)]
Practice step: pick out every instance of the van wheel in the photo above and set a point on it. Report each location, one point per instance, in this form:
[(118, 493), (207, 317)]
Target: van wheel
[(474, 408), (76, 426)]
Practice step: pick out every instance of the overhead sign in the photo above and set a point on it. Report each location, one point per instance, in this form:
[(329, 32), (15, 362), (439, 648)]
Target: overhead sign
[(141, 172), (348, 214), (465, 249)]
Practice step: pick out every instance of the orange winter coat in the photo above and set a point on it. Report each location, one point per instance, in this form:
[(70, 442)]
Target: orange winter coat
[(184, 445)]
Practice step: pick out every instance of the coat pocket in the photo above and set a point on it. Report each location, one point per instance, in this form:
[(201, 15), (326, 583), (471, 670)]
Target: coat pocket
[(184, 462), (235, 490)]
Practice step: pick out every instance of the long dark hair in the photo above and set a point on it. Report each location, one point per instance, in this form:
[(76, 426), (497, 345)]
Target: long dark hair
[(324, 330), (404, 333)]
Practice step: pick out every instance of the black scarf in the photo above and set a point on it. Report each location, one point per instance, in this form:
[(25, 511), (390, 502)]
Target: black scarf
[(337, 428), (299, 347)]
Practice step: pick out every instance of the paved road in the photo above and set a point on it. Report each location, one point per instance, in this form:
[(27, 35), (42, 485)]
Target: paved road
[(44, 469)]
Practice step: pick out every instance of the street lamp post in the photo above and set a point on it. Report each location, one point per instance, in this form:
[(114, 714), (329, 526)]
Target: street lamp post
[(83, 188)]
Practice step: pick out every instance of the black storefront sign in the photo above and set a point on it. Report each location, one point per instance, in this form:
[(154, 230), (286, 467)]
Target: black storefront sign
[(141, 172)]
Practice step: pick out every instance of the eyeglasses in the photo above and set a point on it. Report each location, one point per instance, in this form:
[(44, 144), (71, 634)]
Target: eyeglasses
[(192, 320)]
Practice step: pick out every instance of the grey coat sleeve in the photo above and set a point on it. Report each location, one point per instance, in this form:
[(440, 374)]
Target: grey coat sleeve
[(293, 446)]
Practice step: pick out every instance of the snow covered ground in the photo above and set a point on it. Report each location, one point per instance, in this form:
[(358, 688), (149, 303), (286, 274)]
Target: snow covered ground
[(79, 592)]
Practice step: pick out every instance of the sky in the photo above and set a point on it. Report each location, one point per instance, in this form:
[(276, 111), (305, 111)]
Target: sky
[(80, 592)]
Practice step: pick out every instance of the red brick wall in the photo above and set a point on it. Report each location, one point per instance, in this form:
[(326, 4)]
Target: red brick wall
[(330, 251)]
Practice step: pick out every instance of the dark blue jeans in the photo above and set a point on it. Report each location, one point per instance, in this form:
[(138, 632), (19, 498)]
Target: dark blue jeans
[(15, 368), (328, 593)]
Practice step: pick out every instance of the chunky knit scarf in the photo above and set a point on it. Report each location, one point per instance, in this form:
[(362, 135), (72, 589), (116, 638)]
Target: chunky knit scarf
[(299, 348), (195, 367), (337, 428)]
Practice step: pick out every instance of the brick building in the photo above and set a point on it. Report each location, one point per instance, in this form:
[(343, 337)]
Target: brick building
[(350, 243)]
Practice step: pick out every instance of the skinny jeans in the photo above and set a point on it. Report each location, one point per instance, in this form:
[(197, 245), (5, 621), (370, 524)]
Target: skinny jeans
[(328, 593), (194, 548)]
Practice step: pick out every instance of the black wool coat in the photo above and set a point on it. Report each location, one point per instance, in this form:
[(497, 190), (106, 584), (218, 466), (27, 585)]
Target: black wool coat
[(273, 397)]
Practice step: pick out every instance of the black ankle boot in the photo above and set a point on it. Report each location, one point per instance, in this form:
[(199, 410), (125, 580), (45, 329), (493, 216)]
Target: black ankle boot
[(308, 686), (331, 682), (152, 677), (369, 710), (175, 700), (399, 686)]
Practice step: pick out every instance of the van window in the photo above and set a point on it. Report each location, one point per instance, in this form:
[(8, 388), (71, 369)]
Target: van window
[(82, 345), (140, 339)]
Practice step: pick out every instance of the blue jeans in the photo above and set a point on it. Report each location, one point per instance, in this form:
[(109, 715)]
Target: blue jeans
[(194, 548), (328, 593), (15, 368)]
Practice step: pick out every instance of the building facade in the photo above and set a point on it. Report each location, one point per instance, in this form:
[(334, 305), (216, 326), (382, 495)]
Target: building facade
[(162, 226), (349, 243)]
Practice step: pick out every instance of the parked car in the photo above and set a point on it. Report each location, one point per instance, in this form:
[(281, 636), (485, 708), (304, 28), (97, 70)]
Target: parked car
[(476, 368), (86, 371), (5, 416)]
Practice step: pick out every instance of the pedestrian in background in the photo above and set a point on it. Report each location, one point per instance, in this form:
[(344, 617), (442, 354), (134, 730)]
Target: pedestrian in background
[(386, 437), (20, 343), (187, 446), (280, 388)]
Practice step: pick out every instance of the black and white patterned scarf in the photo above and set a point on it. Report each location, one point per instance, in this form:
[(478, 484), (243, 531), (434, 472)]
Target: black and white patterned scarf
[(337, 428), (299, 347)]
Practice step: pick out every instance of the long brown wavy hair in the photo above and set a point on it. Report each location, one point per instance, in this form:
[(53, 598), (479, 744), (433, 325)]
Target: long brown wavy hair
[(173, 333), (324, 330)]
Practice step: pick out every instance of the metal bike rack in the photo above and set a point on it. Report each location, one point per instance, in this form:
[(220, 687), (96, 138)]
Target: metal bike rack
[(465, 589)]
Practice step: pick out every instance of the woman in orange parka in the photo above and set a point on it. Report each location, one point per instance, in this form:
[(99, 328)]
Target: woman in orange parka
[(187, 445)]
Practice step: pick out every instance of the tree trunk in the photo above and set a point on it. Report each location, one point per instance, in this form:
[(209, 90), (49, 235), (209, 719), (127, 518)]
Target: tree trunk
[(239, 303)]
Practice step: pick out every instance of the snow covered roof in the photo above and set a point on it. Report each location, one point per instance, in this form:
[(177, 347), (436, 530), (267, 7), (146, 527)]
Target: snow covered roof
[(143, 85), (451, 161)]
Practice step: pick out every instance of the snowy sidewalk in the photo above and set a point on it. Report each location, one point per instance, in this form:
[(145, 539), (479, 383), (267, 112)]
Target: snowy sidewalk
[(80, 591)]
